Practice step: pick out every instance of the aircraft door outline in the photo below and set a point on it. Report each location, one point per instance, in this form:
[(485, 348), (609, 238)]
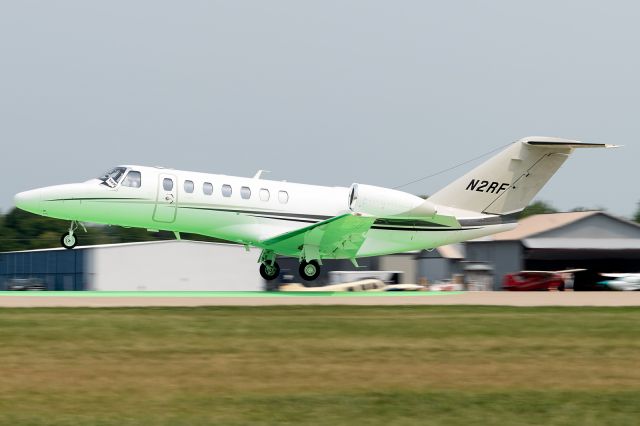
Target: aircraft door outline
[(167, 199)]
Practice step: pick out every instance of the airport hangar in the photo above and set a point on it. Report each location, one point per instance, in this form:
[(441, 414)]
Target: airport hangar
[(146, 266), (597, 241), (594, 240)]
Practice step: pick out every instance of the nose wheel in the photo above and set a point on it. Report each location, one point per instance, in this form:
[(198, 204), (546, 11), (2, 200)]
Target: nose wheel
[(309, 270), (269, 271), (68, 241)]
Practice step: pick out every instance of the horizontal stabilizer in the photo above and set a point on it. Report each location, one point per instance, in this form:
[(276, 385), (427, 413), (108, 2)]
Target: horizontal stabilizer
[(543, 141)]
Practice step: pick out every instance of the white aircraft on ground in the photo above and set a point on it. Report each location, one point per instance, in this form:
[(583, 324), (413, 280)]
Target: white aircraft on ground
[(623, 281), (309, 222)]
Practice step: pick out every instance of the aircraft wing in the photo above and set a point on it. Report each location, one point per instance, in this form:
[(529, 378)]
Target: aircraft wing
[(340, 236)]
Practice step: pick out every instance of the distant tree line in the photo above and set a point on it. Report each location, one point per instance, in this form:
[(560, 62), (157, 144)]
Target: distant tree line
[(20, 230)]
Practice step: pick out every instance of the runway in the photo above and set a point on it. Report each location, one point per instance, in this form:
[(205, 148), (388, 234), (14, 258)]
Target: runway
[(192, 299)]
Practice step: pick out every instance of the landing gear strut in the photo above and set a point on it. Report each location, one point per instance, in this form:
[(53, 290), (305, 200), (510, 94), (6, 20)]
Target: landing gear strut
[(309, 270), (69, 239)]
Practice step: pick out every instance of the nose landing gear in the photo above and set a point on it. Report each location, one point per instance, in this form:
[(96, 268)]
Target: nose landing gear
[(69, 239)]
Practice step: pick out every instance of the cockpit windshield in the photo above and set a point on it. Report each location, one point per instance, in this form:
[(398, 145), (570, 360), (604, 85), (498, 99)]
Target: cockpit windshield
[(112, 177)]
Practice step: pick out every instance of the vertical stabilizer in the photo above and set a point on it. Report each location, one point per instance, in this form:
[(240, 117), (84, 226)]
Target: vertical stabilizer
[(507, 182)]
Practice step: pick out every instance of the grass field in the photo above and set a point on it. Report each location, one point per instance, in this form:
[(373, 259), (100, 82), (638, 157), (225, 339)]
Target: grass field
[(320, 365)]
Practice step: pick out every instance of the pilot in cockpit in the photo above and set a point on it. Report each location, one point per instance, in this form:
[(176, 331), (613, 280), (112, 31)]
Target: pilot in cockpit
[(111, 179), (132, 180)]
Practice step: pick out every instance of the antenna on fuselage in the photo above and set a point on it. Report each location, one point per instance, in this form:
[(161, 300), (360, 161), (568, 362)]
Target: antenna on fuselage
[(259, 173)]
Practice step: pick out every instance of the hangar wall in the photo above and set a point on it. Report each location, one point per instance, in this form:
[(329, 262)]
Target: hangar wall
[(405, 262), (503, 256), (59, 269), (433, 267), (173, 266)]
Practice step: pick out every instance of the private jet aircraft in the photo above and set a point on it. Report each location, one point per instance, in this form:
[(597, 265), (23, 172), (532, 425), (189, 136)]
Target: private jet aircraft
[(309, 222)]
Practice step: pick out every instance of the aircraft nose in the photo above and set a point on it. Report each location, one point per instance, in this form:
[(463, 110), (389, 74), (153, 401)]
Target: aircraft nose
[(29, 201)]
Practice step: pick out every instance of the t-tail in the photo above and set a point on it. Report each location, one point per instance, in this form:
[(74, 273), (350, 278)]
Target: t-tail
[(506, 183)]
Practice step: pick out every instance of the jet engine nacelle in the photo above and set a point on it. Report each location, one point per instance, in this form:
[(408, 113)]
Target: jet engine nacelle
[(385, 202)]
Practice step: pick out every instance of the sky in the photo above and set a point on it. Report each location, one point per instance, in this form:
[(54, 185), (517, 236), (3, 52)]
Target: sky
[(320, 92)]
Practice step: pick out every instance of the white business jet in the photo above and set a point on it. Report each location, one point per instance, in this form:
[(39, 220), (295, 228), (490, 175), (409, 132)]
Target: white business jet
[(309, 222)]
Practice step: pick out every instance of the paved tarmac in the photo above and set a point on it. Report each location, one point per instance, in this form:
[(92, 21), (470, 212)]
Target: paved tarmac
[(187, 299)]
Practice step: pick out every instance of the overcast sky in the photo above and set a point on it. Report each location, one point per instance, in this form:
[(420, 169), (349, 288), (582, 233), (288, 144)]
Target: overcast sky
[(321, 92)]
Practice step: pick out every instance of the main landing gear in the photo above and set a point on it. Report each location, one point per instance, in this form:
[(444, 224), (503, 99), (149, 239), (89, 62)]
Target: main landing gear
[(69, 239), (270, 271), (309, 271), (269, 268)]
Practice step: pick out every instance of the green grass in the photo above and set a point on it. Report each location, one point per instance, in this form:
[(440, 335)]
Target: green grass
[(320, 365)]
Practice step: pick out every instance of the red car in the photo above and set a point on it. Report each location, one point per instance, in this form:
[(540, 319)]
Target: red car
[(533, 281)]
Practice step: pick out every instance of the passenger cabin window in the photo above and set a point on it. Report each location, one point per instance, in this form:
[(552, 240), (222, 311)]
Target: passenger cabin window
[(188, 186), (207, 188), (167, 184), (283, 197), (264, 194), (226, 190), (245, 192), (133, 179)]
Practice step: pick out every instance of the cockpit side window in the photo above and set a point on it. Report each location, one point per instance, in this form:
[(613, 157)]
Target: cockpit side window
[(133, 179), (112, 177)]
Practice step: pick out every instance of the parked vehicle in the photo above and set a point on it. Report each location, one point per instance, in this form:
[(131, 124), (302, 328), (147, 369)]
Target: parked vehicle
[(540, 280), (533, 281), (26, 284)]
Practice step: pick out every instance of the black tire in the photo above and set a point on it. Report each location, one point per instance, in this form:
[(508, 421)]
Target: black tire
[(309, 271), (270, 272), (68, 241)]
